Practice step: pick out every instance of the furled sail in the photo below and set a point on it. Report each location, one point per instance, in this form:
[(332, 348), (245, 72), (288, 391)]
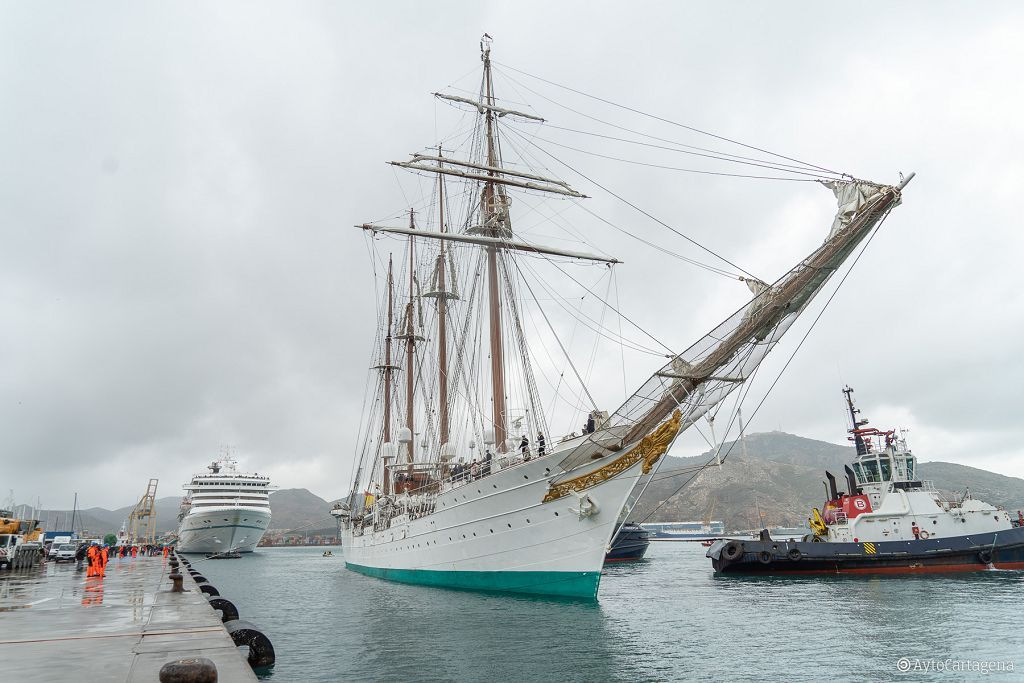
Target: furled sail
[(698, 379)]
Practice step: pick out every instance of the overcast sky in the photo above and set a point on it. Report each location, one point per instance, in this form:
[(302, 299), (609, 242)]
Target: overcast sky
[(178, 181)]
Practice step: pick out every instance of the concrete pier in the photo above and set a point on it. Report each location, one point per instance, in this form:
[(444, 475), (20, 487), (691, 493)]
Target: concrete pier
[(59, 625)]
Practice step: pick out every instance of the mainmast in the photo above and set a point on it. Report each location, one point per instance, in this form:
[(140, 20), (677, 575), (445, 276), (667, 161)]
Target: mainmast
[(493, 215)]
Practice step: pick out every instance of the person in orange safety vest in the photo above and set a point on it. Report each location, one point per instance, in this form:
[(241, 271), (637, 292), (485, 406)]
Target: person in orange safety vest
[(102, 555), (91, 555)]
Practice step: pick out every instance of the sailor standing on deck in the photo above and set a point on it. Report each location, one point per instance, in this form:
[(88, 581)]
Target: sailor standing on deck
[(540, 445), (524, 448)]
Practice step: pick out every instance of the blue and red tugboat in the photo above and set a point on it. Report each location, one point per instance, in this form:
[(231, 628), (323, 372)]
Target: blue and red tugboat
[(890, 521)]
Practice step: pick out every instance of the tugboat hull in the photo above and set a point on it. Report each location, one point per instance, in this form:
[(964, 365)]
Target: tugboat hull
[(999, 550), (629, 544)]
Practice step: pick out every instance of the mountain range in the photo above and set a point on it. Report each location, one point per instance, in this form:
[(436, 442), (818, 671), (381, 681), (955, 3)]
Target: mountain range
[(774, 479), (293, 509)]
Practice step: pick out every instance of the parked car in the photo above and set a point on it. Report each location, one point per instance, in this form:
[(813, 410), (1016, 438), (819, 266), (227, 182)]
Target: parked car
[(65, 553)]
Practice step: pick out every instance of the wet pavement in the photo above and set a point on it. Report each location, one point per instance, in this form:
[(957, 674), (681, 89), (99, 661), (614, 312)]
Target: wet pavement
[(55, 623)]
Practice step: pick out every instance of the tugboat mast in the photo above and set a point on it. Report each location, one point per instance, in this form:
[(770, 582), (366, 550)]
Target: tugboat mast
[(858, 440)]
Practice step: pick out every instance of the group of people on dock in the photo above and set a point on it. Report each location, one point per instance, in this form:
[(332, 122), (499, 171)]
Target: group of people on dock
[(96, 555)]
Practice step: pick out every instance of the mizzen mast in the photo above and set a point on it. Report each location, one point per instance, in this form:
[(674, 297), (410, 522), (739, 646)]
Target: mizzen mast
[(408, 433), (387, 368)]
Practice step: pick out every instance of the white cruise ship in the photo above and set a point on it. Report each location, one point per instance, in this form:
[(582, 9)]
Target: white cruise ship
[(224, 510)]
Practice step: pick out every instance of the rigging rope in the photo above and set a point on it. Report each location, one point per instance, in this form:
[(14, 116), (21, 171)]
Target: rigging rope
[(661, 119), (711, 153), (638, 209), (815, 177)]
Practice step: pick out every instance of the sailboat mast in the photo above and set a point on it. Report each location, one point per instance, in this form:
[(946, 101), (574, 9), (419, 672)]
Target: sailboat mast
[(387, 369), (442, 318), (410, 341), (491, 217), (387, 354)]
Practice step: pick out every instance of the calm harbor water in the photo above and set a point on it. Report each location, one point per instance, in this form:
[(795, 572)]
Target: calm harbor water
[(666, 618)]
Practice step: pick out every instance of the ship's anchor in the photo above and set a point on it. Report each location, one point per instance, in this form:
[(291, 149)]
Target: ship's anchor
[(587, 505)]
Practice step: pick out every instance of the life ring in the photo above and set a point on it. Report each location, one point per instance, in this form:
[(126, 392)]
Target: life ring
[(924, 535), (732, 551), (794, 554), (985, 557), (764, 557)]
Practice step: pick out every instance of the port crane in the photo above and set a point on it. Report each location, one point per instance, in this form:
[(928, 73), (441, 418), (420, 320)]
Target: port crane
[(142, 520)]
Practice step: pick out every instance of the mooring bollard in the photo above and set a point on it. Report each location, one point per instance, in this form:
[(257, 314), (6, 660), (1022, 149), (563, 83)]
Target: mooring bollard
[(176, 580), (197, 670)]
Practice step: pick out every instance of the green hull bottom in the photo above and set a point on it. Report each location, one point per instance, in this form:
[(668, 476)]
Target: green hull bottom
[(561, 584)]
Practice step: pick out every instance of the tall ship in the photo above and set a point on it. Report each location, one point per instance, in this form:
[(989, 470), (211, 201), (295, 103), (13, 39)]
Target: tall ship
[(224, 510), (459, 480), (888, 520)]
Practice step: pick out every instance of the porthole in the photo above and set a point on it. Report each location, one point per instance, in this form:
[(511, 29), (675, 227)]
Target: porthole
[(494, 485), (547, 470), (525, 477), (556, 514), (509, 526), (492, 531), (527, 520), (463, 535), (479, 491), (474, 533)]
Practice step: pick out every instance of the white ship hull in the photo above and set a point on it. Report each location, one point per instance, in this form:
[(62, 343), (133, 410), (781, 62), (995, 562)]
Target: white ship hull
[(496, 533), (218, 530)]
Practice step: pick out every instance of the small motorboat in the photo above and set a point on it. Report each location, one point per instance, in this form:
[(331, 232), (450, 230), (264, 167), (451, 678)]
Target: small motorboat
[(227, 555)]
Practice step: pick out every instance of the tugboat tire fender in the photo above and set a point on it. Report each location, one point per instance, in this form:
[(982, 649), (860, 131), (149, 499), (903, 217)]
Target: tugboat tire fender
[(764, 557), (732, 551), (985, 557), (794, 554)]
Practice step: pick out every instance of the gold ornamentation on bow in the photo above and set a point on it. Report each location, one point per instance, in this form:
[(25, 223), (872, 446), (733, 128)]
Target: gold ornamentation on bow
[(649, 450)]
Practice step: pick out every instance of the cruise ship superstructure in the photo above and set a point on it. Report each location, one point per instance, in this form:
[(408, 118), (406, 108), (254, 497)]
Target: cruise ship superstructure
[(224, 510)]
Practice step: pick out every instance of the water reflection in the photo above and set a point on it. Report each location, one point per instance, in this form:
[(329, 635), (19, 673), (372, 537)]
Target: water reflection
[(92, 591)]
